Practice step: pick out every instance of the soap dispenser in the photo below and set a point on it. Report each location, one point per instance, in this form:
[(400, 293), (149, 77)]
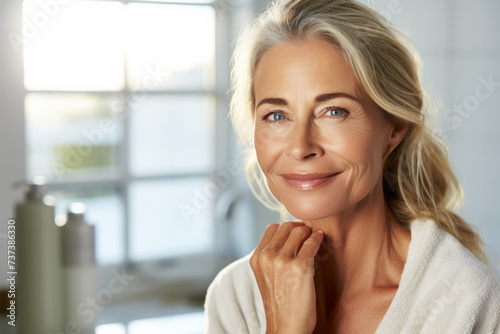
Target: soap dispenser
[(39, 297), (80, 272)]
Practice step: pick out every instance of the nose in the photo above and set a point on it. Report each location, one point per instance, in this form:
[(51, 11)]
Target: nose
[(303, 141)]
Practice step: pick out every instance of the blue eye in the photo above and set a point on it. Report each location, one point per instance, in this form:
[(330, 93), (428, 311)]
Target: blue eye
[(275, 117), (334, 111)]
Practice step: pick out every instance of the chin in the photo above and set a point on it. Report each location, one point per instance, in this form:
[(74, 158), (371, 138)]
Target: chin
[(311, 210)]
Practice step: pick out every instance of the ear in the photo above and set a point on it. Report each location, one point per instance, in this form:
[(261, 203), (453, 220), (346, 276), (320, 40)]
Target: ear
[(398, 132)]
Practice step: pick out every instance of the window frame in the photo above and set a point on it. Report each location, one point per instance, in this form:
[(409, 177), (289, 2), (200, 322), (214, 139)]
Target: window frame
[(199, 268)]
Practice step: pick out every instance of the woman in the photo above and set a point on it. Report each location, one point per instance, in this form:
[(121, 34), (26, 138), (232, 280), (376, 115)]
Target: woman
[(329, 99)]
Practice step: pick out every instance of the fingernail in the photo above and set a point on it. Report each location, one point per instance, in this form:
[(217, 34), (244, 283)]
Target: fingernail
[(319, 231)]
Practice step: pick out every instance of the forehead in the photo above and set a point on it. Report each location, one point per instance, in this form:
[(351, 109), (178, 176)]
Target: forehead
[(314, 65)]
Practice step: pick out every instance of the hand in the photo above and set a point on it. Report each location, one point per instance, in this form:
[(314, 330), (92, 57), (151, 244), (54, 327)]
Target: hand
[(283, 264)]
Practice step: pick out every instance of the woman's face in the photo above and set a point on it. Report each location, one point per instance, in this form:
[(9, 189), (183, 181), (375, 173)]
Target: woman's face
[(320, 140)]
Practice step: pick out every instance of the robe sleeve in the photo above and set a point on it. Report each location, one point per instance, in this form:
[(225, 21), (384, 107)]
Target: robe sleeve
[(233, 303)]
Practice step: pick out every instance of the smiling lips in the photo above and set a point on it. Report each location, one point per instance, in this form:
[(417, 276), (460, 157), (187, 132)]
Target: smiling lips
[(307, 181)]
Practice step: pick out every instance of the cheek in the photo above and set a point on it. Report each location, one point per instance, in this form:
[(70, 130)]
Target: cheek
[(350, 141), (269, 145), (356, 148)]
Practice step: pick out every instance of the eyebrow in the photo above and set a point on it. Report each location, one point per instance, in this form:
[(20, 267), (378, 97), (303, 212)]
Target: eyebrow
[(320, 98)]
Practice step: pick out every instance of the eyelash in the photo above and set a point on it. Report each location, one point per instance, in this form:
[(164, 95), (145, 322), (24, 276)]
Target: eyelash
[(328, 109)]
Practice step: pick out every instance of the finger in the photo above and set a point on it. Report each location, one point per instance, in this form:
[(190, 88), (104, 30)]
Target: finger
[(294, 242), (282, 234), (311, 245), (266, 237)]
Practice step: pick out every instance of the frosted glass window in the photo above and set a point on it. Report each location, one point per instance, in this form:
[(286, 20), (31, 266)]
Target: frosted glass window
[(172, 134), (79, 47), (111, 329), (191, 323), (171, 217), (187, 1), (170, 46), (122, 92), (105, 211), (71, 135)]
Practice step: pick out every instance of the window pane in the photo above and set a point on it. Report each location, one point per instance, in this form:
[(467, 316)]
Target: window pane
[(77, 45), (172, 134), (191, 323), (187, 1), (111, 329), (170, 46), (105, 211), (171, 218), (71, 136)]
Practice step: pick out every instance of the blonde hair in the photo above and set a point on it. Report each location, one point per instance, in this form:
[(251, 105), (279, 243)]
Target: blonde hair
[(418, 179)]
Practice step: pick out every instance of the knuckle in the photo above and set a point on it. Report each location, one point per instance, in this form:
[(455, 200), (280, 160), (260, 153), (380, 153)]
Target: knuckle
[(303, 267), (301, 231), (287, 223), (265, 257), (290, 225), (311, 241), (280, 261), (284, 225), (272, 226)]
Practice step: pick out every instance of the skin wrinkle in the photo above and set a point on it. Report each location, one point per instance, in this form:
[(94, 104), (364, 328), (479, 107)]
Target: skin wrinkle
[(367, 247)]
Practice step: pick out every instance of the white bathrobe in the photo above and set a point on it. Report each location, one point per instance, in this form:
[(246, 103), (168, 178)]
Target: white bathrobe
[(443, 289)]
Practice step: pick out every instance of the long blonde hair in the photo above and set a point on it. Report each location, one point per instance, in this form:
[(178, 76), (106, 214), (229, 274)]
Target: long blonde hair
[(418, 179)]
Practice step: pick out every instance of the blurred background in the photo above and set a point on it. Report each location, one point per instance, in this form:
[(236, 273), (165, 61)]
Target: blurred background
[(122, 105)]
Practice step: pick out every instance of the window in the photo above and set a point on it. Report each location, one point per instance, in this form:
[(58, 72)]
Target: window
[(191, 323), (122, 102)]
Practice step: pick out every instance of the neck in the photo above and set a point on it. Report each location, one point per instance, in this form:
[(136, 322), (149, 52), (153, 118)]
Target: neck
[(364, 248)]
